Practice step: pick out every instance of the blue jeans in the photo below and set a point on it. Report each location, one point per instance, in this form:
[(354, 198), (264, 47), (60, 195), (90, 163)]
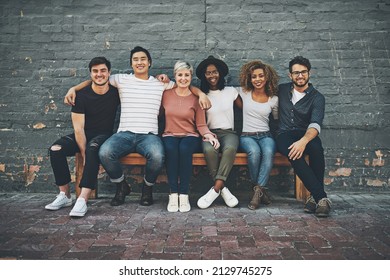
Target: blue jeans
[(179, 152), (125, 142), (312, 174), (261, 150)]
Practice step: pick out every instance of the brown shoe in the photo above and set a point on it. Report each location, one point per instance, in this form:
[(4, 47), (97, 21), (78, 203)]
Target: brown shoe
[(310, 205), (256, 199), (265, 198), (122, 189), (323, 207)]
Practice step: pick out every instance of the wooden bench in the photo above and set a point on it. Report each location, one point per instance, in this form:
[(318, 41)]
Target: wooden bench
[(198, 159)]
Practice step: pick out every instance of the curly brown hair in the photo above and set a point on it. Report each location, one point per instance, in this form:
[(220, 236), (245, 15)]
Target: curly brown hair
[(271, 86)]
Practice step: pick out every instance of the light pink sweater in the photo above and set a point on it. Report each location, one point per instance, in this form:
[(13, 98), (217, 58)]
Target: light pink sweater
[(183, 115)]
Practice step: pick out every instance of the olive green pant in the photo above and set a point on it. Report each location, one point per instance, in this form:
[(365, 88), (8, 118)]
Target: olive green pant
[(219, 168)]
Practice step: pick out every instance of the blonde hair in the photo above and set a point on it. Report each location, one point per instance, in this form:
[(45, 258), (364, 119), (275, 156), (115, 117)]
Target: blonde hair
[(271, 86), (180, 65)]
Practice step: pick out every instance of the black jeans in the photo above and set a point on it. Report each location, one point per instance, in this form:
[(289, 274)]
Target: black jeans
[(312, 174), (69, 147)]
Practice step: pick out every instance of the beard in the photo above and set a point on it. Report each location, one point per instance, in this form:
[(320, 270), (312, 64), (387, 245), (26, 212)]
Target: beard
[(101, 84), (300, 85)]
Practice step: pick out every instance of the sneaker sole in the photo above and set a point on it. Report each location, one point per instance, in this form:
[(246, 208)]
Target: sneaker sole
[(231, 206), (51, 208), (77, 214), (203, 207)]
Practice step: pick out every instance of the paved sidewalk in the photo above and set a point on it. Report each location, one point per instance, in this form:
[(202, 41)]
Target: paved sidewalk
[(358, 228)]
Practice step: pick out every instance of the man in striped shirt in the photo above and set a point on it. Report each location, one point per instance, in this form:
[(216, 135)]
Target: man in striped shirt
[(140, 96)]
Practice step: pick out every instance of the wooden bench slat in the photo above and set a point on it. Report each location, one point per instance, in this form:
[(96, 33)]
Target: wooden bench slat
[(198, 159)]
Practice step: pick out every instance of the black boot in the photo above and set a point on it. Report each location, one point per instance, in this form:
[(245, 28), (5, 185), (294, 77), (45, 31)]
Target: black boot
[(122, 189), (147, 195)]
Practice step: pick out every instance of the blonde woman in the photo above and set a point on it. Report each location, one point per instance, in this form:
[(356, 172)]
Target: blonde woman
[(185, 127)]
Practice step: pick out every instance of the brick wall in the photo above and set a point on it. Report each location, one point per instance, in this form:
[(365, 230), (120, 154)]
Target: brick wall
[(45, 47)]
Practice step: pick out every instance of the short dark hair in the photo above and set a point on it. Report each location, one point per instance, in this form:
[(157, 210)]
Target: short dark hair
[(140, 49), (301, 61), (99, 60)]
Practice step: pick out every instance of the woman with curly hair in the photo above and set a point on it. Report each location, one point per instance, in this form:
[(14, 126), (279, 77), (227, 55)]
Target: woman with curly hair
[(259, 85)]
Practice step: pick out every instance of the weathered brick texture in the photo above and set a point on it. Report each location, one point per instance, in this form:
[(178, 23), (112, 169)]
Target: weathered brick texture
[(45, 46)]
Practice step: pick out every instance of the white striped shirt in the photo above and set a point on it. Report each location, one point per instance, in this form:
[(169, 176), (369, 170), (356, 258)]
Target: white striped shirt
[(140, 102)]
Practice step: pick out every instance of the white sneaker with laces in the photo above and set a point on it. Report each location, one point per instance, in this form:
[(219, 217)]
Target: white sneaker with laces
[(184, 203), (228, 197), (79, 209), (173, 203), (206, 200), (61, 201)]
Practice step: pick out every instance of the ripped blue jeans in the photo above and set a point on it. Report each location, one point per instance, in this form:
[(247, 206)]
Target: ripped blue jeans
[(67, 146)]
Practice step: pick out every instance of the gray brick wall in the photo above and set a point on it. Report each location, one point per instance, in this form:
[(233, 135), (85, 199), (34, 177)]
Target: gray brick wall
[(45, 46)]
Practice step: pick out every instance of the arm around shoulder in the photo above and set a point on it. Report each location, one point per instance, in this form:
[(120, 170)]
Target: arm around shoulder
[(204, 101), (70, 96)]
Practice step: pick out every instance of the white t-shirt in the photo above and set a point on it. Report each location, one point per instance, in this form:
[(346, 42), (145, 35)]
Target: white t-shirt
[(296, 96), (221, 114), (140, 102), (255, 114)]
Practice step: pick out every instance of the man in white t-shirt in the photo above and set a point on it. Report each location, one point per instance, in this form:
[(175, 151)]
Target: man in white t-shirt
[(140, 96)]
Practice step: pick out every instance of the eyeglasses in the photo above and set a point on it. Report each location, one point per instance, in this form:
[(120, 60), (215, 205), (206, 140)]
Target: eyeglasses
[(209, 73), (297, 73)]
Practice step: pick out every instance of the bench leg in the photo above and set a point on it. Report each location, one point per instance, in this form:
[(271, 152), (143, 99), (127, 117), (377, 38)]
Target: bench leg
[(301, 193), (79, 173)]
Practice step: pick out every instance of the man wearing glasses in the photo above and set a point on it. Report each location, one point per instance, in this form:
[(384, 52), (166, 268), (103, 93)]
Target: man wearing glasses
[(301, 113)]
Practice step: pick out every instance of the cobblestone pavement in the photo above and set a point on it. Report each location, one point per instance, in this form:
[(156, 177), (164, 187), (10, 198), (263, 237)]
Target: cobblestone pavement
[(358, 228)]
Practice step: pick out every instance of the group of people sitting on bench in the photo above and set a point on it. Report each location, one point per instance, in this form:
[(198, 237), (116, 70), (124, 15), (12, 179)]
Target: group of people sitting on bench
[(195, 119)]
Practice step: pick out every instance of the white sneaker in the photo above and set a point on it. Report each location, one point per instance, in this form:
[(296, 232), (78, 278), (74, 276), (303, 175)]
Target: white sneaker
[(228, 197), (61, 201), (173, 203), (79, 208), (184, 203), (206, 200)]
